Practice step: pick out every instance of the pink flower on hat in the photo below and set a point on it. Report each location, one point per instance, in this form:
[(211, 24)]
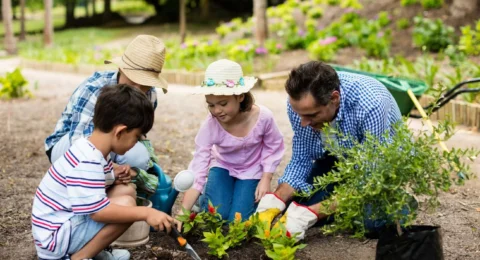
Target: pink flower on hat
[(230, 83)]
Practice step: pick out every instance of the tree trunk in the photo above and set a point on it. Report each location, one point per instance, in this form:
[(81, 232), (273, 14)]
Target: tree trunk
[(204, 9), (22, 20), (261, 25), (461, 8), (183, 21), (107, 11), (9, 39), (86, 8), (70, 12), (94, 8), (48, 29)]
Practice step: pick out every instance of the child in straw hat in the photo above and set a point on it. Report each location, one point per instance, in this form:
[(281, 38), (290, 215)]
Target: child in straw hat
[(238, 146)]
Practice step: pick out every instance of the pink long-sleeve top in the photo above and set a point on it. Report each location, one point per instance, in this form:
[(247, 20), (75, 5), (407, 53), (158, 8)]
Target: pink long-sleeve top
[(248, 157)]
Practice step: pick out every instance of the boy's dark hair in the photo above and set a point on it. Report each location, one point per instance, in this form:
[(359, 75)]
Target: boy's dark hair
[(314, 77), (247, 103), (123, 104)]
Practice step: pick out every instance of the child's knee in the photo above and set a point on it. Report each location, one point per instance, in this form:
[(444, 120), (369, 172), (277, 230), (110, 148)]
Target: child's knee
[(124, 200), (122, 190)]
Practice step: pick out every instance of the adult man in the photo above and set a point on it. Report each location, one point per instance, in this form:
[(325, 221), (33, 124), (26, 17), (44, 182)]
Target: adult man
[(318, 95)]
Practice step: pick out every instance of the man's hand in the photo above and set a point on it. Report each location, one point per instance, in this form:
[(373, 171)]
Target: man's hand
[(298, 219), (263, 186), (269, 207), (159, 220)]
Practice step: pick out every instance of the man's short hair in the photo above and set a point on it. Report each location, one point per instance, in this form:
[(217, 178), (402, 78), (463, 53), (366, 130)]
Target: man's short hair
[(123, 105), (314, 77)]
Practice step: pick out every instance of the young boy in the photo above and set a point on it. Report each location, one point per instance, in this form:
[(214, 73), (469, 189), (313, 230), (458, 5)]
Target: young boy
[(79, 208)]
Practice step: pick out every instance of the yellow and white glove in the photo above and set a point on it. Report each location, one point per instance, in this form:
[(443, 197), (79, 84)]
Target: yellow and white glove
[(269, 207), (298, 218)]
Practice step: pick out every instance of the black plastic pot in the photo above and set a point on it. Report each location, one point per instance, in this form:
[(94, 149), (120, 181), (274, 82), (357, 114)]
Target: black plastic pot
[(416, 243)]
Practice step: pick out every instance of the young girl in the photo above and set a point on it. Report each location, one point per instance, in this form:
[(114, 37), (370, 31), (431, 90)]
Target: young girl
[(238, 146)]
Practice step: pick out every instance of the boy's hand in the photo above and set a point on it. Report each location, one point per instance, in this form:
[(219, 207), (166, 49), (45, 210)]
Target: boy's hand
[(123, 173), (159, 220), (263, 186)]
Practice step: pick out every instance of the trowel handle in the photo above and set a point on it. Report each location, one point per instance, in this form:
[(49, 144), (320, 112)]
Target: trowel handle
[(177, 236)]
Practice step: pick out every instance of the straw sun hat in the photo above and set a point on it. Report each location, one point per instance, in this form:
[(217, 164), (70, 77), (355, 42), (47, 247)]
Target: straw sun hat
[(225, 77), (142, 61)]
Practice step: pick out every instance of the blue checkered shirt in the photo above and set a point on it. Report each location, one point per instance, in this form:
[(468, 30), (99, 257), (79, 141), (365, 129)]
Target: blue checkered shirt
[(365, 106), (77, 118)]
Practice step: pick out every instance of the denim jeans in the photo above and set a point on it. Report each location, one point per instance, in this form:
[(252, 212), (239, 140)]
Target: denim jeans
[(229, 194), (321, 167)]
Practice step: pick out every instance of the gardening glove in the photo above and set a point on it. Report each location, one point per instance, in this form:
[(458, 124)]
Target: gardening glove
[(269, 207), (298, 219)]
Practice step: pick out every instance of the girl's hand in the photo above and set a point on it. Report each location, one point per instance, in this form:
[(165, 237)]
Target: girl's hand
[(263, 186)]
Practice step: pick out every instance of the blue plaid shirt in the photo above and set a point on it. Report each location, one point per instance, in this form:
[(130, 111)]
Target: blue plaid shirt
[(77, 118), (365, 106)]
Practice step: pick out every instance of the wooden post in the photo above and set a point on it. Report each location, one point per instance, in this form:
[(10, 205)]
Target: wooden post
[(183, 21)]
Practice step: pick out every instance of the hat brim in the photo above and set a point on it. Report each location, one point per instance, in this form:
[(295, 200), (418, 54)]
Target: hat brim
[(145, 78), (224, 90)]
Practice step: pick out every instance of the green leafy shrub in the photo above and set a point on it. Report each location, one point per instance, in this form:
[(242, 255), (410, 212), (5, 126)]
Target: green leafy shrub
[(379, 177), (14, 85), (403, 23), (408, 2), (430, 4), (470, 40), (432, 34), (323, 49), (315, 12)]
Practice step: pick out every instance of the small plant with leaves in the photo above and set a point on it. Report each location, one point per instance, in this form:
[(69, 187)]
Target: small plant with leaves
[(237, 230), (13, 85), (431, 4), (433, 35), (217, 242), (470, 40), (403, 23), (192, 221), (408, 2), (382, 175), (277, 241)]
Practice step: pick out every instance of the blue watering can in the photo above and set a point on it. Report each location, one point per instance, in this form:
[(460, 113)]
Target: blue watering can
[(165, 195)]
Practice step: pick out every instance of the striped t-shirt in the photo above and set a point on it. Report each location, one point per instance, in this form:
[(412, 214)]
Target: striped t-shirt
[(75, 184)]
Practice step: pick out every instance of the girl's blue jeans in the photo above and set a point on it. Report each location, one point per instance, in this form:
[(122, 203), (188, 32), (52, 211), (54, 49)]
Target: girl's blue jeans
[(229, 194)]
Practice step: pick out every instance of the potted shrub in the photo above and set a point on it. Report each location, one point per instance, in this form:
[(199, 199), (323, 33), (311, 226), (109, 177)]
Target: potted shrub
[(388, 178)]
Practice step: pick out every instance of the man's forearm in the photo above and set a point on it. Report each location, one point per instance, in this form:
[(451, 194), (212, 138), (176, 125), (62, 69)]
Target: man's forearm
[(285, 192)]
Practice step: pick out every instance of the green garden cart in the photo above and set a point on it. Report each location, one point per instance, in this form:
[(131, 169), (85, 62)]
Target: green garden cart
[(399, 87)]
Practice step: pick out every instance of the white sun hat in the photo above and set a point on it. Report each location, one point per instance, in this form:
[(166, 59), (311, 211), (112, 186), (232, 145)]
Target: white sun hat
[(225, 77), (142, 61)]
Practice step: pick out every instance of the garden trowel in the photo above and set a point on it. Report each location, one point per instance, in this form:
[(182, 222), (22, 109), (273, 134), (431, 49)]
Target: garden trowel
[(183, 243)]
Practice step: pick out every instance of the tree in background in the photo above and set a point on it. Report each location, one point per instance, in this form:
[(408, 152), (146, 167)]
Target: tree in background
[(261, 25), (204, 9), (107, 10), (22, 21), (48, 29), (9, 40), (183, 21)]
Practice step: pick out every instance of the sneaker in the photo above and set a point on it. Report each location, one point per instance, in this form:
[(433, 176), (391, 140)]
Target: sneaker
[(113, 254)]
